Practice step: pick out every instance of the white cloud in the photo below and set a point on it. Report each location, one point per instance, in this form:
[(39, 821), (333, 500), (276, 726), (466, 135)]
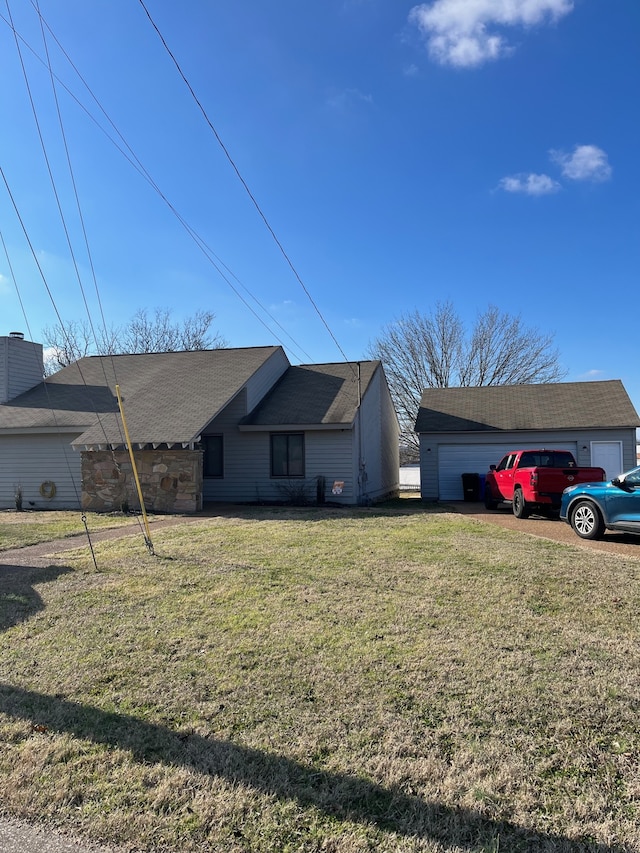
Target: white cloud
[(586, 163), (50, 353), (285, 305), (531, 184), (466, 33), (342, 100)]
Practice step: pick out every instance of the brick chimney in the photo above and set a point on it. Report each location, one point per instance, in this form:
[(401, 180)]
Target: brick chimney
[(21, 365)]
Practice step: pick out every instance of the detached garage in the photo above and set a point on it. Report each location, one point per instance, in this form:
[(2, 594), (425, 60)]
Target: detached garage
[(465, 430)]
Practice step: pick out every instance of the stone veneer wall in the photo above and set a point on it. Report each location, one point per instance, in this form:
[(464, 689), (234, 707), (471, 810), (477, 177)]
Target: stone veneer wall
[(171, 480)]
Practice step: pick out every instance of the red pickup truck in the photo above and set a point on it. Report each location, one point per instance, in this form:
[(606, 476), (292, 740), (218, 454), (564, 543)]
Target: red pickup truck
[(533, 480)]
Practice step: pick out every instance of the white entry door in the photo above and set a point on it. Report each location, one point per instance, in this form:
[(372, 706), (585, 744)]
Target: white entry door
[(607, 455)]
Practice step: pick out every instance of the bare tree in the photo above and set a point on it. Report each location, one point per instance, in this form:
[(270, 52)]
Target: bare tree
[(66, 343), (435, 350), (64, 346), (502, 351)]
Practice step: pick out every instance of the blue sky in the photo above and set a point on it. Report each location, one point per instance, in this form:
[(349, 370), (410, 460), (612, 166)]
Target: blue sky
[(478, 151)]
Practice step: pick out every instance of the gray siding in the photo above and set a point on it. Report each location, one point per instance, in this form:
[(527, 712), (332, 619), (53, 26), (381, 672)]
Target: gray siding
[(247, 463), (390, 440), (431, 442), (237, 453), (330, 454), (20, 367), (377, 427), (29, 461), (265, 378)]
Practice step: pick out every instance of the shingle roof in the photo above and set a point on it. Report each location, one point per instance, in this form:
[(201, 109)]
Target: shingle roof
[(562, 405), (325, 394), (167, 397)]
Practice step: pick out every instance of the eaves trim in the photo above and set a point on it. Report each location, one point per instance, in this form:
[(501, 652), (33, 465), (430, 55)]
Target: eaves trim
[(41, 430), (294, 427)]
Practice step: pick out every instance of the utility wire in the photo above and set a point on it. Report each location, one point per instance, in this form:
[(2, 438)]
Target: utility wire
[(51, 176), (78, 208), (58, 203), (46, 284), (60, 210), (242, 180), (134, 161), (55, 308), (63, 444), (66, 231), (93, 273), (211, 256)]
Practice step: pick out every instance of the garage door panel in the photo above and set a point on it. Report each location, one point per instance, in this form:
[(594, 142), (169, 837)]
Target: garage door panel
[(454, 460)]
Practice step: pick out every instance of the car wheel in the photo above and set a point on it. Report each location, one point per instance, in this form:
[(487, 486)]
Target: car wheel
[(520, 509), (489, 500), (587, 521)]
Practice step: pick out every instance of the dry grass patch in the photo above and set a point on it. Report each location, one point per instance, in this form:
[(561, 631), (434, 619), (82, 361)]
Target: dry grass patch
[(352, 680)]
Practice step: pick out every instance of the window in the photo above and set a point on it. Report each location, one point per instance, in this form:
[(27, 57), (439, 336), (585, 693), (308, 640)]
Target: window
[(633, 478), (287, 455), (506, 462), (563, 460), (212, 462)]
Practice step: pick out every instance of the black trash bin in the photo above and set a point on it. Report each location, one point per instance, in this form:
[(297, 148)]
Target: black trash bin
[(471, 487)]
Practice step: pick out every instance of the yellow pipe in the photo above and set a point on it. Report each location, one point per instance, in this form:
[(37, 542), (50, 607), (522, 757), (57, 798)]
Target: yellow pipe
[(135, 470)]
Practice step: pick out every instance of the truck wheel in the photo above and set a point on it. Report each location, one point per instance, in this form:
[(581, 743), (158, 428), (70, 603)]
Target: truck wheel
[(489, 500), (587, 521), (520, 508)]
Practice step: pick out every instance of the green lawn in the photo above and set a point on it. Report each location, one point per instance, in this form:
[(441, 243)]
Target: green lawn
[(388, 679), (18, 529)]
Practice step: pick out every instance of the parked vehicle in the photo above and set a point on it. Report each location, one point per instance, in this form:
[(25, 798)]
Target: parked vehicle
[(592, 508), (534, 480)]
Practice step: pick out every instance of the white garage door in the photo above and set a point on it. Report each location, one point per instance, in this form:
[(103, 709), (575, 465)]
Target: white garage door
[(454, 460)]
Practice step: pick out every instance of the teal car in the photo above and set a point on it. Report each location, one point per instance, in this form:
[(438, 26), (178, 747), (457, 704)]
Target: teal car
[(592, 508)]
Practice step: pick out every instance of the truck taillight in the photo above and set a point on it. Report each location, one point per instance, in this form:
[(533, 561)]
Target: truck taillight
[(534, 478)]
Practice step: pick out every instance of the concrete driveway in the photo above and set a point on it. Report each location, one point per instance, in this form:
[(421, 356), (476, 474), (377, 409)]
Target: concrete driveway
[(549, 528)]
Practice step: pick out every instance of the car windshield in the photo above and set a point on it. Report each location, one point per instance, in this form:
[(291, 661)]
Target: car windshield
[(632, 478)]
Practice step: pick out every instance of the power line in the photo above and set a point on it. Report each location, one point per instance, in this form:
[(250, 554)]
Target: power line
[(76, 197), (135, 162), (241, 179), (50, 170), (57, 197)]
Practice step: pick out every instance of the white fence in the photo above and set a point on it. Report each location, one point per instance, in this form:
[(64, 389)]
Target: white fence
[(410, 478)]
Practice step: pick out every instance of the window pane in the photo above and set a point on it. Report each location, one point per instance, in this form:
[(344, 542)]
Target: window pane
[(287, 455), (279, 456), (296, 456), (213, 456)]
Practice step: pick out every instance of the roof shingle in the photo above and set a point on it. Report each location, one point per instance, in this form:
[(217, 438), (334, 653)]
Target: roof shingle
[(167, 397), (562, 405), (314, 394)]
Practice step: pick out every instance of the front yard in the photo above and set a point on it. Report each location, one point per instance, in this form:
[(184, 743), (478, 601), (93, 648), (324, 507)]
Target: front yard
[(352, 680)]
